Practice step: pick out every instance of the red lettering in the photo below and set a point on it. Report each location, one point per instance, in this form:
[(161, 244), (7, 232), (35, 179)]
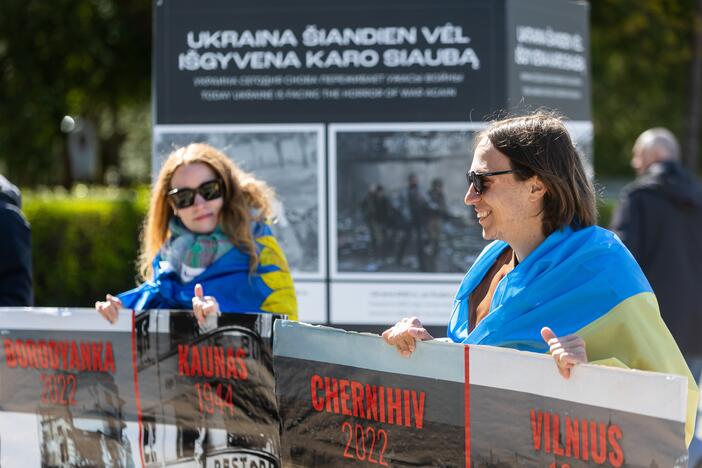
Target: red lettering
[(207, 361), (54, 360), (357, 399), (219, 367), (241, 363), (406, 400), (231, 365), (21, 353), (10, 357), (183, 360), (63, 350), (85, 356), (32, 360), (547, 432), (557, 449), (74, 364), (43, 357), (598, 454), (395, 406), (316, 383), (381, 402), (572, 438), (343, 385), (97, 356), (331, 394), (616, 455), (109, 365), (583, 435), (418, 408), (195, 368), (536, 423), (372, 402)]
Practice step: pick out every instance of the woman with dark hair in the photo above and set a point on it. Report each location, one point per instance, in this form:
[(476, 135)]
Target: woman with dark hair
[(551, 281)]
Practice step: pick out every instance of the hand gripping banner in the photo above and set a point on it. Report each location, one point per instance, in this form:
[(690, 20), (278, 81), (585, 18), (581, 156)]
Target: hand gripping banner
[(348, 399)]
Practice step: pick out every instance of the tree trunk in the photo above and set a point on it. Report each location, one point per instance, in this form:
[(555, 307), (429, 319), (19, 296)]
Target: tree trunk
[(691, 147)]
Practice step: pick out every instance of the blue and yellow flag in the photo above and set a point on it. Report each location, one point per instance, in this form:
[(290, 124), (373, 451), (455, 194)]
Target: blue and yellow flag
[(584, 282), (268, 289)]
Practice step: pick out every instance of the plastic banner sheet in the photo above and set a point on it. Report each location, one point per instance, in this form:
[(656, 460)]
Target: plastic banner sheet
[(154, 389), (348, 399)]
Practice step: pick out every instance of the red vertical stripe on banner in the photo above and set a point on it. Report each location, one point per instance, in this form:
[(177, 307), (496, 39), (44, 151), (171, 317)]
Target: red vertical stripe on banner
[(136, 389), (466, 394)]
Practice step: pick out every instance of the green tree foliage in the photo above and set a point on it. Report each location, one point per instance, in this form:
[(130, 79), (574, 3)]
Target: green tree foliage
[(641, 58), (89, 58), (92, 58), (84, 246)]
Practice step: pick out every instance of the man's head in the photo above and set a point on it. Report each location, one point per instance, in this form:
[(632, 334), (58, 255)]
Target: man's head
[(548, 189), (654, 145)]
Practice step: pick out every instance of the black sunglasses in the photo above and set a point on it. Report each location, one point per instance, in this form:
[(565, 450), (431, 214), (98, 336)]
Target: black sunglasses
[(478, 178), (185, 197)]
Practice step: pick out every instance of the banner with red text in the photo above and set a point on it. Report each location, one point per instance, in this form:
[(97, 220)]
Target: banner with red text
[(348, 399), (154, 389)]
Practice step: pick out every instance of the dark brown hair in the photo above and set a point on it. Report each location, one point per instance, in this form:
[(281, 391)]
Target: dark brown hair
[(539, 144)]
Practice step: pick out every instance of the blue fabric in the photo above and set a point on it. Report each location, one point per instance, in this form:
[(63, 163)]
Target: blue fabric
[(227, 279), (571, 279)]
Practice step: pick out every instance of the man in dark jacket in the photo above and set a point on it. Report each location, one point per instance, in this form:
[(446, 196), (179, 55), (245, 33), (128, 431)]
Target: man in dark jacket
[(659, 218), (15, 249)]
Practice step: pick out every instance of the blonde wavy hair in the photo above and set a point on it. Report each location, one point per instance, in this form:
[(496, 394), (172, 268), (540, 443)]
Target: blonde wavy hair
[(245, 199)]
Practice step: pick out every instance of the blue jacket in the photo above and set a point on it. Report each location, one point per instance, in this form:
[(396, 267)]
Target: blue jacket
[(269, 289)]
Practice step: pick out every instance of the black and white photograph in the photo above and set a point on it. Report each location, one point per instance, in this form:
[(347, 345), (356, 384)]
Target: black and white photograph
[(290, 159), (398, 204)]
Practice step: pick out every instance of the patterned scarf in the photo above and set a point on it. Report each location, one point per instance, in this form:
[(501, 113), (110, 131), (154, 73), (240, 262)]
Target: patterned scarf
[(188, 253)]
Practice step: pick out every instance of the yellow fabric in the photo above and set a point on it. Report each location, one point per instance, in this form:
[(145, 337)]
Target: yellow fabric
[(633, 335), (272, 254), (283, 299)]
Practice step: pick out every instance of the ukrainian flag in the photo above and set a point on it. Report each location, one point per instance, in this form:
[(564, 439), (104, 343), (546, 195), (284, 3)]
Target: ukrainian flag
[(577, 281), (269, 289)]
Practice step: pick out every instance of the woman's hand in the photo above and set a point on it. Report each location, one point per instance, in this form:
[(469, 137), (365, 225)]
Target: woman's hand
[(404, 335), (203, 305), (109, 308), (567, 351)]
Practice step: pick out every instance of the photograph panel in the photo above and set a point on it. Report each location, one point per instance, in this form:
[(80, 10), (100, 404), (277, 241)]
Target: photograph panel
[(398, 205), (290, 160)]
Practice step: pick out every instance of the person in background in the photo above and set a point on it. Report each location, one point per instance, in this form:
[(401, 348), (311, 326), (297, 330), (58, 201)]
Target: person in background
[(437, 215), (659, 218), (15, 249), (371, 215), (207, 232), (551, 281)]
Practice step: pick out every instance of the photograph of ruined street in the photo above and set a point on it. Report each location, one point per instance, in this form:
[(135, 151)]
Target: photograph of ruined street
[(287, 161), (399, 202)]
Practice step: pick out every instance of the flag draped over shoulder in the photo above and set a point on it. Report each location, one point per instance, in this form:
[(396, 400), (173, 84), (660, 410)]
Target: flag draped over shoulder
[(584, 282), (268, 289)]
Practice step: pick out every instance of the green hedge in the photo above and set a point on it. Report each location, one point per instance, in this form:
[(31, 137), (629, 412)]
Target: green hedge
[(84, 243)]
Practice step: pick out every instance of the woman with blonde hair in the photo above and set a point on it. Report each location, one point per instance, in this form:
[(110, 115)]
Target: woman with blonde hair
[(207, 231)]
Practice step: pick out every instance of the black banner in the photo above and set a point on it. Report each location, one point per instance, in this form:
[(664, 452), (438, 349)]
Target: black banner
[(327, 61), (348, 399), (156, 389)]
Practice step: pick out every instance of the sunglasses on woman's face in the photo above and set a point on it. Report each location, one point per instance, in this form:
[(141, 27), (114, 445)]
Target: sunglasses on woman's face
[(478, 178), (185, 197)]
